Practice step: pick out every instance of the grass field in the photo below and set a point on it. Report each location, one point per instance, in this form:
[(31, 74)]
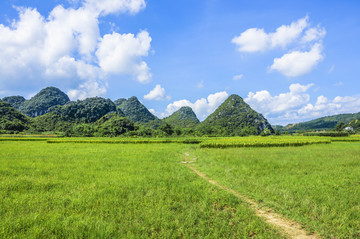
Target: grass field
[(316, 185), (143, 190), (111, 190)]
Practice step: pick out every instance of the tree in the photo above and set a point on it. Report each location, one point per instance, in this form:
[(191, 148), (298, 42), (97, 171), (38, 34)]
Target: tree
[(166, 128)]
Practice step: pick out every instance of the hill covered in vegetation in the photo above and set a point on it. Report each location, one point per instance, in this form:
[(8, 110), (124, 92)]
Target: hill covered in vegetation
[(42, 101), (235, 117), (135, 111), (323, 123), (183, 118), (53, 112), (14, 101), (11, 119)]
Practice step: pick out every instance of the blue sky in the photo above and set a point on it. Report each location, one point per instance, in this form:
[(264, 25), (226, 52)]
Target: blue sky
[(290, 60)]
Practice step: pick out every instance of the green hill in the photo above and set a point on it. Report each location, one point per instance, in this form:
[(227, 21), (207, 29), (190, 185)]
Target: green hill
[(86, 111), (14, 101), (235, 117), (323, 123), (90, 110), (183, 118), (135, 111), (11, 119), (42, 101), (118, 102)]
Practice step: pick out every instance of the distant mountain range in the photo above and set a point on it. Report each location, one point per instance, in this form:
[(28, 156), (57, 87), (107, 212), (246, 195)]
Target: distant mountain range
[(52, 110), (323, 123)]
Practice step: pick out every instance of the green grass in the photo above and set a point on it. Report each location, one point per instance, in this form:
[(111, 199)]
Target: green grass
[(316, 185), (257, 141), (114, 191)]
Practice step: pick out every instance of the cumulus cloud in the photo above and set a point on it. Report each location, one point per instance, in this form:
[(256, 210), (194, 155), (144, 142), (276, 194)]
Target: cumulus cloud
[(305, 40), (252, 40), (295, 106), (265, 103), (298, 63), (255, 39), (158, 93), (122, 54), (202, 107), (66, 49)]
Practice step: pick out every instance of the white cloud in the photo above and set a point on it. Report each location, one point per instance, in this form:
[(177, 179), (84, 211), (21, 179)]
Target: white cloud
[(105, 7), (122, 54), (298, 63), (202, 107), (255, 39), (298, 35), (314, 34), (158, 93), (66, 48), (295, 106), (285, 35), (325, 107), (252, 40), (86, 90), (263, 102)]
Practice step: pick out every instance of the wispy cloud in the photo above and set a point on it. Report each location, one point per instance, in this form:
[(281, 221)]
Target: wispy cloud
[(238, 77)]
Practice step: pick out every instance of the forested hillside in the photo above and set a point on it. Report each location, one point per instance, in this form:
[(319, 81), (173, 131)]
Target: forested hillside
[(42, 101), (235, 117), (323, 123), (53, 112), (11, 119), (183, 118)]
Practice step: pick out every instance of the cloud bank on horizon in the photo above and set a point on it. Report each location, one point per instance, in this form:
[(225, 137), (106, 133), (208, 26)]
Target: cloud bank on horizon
[(67, 46)]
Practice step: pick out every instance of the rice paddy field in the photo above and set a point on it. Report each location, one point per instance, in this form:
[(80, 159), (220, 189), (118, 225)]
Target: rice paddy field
[(141, 188)]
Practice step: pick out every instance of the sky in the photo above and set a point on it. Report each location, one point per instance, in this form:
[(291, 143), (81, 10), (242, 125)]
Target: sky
[(291, 61)]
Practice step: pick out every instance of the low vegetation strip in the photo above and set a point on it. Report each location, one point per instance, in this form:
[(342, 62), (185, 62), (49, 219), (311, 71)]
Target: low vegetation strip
[(327, 134), (290, 228), (346, 139), (22, 139), (262, 142), (185, 141), (28, 136)]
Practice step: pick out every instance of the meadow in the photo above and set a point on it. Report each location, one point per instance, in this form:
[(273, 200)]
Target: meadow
[(97, 188), (112, 190)]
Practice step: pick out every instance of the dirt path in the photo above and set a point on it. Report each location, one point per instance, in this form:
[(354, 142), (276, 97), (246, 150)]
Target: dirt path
[(289, 228)]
